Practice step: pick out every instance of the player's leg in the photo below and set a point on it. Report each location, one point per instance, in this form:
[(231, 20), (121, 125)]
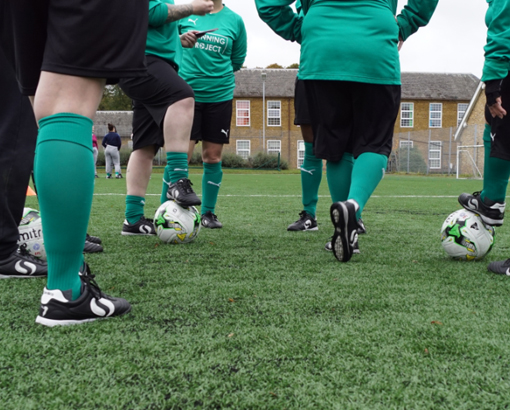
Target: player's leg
[(215, 119), (108, 161), (177, 129), (490, 202), (311, 170), (68, 93), (18, 133), (138, 174), (95, 153), (116, 162), (64, 106), (211, 183)]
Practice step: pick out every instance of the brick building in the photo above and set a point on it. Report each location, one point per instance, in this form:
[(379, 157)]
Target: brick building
[(263, 115)]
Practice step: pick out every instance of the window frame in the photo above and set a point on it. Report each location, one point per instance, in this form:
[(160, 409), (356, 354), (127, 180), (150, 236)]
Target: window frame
[(438, 145), (432, 118), (240, 151), (273, 150), (243, 117), (273, 117), (410, 119)]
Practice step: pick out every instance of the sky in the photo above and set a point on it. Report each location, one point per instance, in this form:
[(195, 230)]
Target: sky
[(451, 43)]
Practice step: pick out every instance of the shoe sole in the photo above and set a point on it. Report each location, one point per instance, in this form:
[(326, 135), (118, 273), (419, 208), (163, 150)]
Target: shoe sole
[(136, 234), (316, 228), (486, 219), (339, 217), (2, 276), (212, 227), (52, 323)]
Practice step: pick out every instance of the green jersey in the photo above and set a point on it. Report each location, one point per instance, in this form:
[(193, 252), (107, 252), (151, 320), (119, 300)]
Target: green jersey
[(163, 38), (347, 40), (209, 67), (497, 49)]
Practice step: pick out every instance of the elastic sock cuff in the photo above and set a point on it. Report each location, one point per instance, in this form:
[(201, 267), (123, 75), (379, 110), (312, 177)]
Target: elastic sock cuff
[(73, 127), (212, 168)]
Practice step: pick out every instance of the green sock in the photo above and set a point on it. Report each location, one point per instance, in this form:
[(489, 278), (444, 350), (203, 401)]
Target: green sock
[(367, 172), (134, 208), (311, 176), (176, 168), (64, 170), (211, 182), (339, 177), (496, 171)]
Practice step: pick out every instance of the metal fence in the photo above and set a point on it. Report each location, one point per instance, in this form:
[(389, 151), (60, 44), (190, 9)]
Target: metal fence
[(435, 151)]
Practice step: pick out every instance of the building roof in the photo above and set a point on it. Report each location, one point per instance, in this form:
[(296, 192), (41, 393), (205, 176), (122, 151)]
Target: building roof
[(415, 86)]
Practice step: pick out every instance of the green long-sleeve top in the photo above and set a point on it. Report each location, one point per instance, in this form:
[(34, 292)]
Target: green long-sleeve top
[(347, 40), (209, 67), (163, 37), (497, 49)]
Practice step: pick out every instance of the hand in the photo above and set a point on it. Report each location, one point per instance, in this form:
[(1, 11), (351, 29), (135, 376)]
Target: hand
[(497, 109), (189, 39), (202, 7), (400, 43)]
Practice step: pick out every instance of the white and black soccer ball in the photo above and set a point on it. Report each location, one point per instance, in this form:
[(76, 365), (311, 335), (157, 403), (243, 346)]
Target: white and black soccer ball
[(176, 224), (465, 236), (31, 234)]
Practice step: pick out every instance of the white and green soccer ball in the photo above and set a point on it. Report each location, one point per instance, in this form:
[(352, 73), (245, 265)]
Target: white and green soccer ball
[(176, 224), (31, 234), (465, 236)]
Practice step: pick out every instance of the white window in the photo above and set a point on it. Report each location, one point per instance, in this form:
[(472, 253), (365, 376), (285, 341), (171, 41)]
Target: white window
[(405, 144), (274, 113), (436, 115), (243, 113), (407, 115), (435, 155), (274, 146), (243, 148), (300, 153), (461, 110)]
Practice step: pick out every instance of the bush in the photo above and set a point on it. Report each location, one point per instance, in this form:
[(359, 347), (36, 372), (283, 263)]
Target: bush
[(124, 158), (196, 158), (417, 163), (263, 160), (231, 160)]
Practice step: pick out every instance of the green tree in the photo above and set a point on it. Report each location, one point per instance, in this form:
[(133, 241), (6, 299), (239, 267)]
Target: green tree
[(114, 99), (295, 65), (274, 65)]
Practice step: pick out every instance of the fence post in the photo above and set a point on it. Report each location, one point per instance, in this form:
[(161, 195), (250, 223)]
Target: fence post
[(450, 152), (428, 152), (408, 149), (475, 153)]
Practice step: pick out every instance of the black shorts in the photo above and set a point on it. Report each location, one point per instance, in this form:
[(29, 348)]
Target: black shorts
[(93, 38), (352, 117), (500, 127), (212, 122), (301, 111), (152, 95)]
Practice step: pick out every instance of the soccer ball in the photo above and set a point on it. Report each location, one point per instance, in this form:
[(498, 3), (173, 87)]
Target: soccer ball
[(31, 234), (175, 224), (465, 236)]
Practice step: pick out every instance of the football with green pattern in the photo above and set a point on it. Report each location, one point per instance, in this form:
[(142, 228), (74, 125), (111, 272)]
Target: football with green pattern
[(464, 236), (176, 224)]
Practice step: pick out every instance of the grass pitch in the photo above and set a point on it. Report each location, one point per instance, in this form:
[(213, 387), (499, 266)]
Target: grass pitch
[(254, 317)]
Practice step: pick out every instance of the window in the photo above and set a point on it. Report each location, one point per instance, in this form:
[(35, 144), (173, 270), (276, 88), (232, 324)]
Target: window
[(436, 115), (300, 153), (461, 110), (435, 155), (243, 113), (243, 148), (407, 115), (406, 144), (274, 146), (274, 113)]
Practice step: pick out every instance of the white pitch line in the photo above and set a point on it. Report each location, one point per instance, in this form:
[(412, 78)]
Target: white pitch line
[(299, 196)]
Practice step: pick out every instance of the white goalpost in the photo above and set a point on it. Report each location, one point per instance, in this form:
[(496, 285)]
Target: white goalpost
[(467, 163)]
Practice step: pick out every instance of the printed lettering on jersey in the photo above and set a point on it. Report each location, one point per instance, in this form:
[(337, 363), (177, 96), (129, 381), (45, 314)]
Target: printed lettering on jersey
[(213, 43)]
